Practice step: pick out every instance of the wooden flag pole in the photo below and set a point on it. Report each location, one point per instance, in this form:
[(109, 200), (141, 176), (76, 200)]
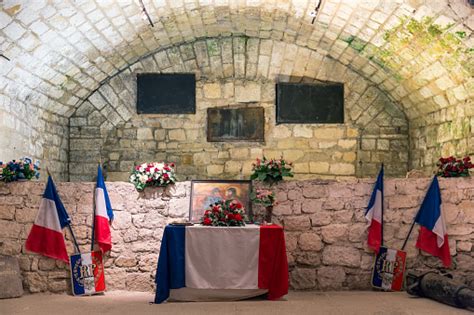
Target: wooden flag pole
[(69, 223)]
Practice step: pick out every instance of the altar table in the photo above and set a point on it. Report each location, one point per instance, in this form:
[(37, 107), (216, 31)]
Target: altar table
[(211, 263)]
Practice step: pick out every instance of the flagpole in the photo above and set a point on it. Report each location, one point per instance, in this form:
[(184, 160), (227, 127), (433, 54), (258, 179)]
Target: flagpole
[(411, 228), (69, 224), (93, 213), (409, 232), (383, 196)]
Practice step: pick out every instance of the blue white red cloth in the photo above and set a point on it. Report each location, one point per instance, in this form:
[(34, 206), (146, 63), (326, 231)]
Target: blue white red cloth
[(202, 257), (103, 214), (87, 273), (389, 269), (433, 237), (374, 214), (46, 235)]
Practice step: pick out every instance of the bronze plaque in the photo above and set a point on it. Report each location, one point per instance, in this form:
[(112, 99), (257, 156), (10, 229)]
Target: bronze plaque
[(235, 124)]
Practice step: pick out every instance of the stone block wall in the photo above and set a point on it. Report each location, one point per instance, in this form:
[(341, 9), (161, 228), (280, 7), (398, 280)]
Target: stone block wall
[(449, 131), (324, 226), (26, 131), (238, 71)]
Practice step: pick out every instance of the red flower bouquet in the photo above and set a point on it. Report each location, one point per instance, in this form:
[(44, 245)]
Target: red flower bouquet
[(451, 167), (224, 213)]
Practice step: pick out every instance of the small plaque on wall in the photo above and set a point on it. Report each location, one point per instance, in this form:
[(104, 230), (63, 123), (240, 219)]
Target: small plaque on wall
[(235, 124)]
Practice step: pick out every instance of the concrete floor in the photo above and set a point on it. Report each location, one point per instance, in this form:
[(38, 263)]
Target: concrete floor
[(294, 303)]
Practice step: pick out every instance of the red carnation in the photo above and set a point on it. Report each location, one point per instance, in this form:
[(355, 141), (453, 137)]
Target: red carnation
[(207, 221), (237, 217), (238, 205), (230, 216)]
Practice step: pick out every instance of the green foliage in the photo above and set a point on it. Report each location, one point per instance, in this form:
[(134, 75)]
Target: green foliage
[(271, 171)]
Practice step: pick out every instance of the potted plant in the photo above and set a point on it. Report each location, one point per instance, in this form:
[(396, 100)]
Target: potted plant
[(266, 198), (271, 171)]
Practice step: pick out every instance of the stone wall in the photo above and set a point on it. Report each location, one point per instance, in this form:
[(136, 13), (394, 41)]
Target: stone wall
[(447, 132), (324, 227), (26, 130), (238, 71)]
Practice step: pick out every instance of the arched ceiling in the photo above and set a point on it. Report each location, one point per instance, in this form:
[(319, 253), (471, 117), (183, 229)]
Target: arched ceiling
[(419, 52)]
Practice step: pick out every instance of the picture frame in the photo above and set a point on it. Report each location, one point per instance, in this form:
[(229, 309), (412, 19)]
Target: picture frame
[(206, 192)]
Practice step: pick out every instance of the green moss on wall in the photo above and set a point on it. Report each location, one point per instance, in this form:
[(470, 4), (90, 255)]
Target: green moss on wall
[(416, 37)]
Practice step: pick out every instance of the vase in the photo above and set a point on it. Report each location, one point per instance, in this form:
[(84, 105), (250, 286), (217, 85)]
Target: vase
[(268, 214)]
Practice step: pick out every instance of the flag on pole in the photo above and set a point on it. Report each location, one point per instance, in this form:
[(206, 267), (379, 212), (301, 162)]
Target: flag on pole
[(432, 237), (46, 236), (103, 214), (374, 214)]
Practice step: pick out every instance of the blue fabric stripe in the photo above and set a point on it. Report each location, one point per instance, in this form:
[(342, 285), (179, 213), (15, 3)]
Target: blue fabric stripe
[(51, 194), (378, 186), (101, 184), (77, 287), (376, 276), (430, 209), (170, 269)]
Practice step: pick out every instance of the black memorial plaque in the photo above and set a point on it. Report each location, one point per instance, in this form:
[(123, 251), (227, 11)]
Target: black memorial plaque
[(166, 93), (310, 103), (235, 124)]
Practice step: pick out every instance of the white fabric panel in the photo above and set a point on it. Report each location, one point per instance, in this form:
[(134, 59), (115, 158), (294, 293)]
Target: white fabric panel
[(388, 278), (100, 208), (375, 213), (48, 215), (89, 283), (440, 230), (206, 295), (222, 257)]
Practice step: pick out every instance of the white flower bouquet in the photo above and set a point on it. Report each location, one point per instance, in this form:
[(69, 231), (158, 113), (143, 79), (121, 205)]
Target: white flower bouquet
[(153, 175)]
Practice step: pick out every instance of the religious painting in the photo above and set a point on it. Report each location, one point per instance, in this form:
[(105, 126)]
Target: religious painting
[(207, 192), (235, 124)]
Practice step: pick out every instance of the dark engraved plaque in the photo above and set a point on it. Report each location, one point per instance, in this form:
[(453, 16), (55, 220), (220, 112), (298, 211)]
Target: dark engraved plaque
[(235, 124), (166, 93), (310, 103)]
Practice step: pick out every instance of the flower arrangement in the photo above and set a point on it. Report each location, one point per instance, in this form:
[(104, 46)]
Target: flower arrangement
[(264, 197), (451, 167), (271, 171), (23, 169), (224, 213), (153, 174)]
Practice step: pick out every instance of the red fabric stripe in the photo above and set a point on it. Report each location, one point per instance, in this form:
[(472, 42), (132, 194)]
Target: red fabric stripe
[(374, 237), (99, 277), (428, 242), (272, 262), (399, 271), (47, 242), (102, 233)]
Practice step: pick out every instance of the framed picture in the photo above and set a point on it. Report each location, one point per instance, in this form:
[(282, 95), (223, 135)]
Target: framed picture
[(206, 192), (235, 124)]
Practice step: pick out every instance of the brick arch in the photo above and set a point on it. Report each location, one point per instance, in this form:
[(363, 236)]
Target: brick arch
[(245, 69)]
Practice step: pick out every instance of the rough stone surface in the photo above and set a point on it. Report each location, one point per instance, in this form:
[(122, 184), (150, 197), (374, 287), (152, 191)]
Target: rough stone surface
[(10, 278), (59, 56), (326, 250)]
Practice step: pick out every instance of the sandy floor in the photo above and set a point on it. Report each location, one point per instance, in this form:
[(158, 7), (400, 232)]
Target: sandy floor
[(295, 303)]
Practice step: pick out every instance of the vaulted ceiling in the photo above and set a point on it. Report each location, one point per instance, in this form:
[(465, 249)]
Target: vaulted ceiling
[(419, 52)]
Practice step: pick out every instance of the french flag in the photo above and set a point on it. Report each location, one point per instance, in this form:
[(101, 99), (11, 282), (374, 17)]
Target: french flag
[(374, 214), (46, 236), (432, 237), (103, 214)]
